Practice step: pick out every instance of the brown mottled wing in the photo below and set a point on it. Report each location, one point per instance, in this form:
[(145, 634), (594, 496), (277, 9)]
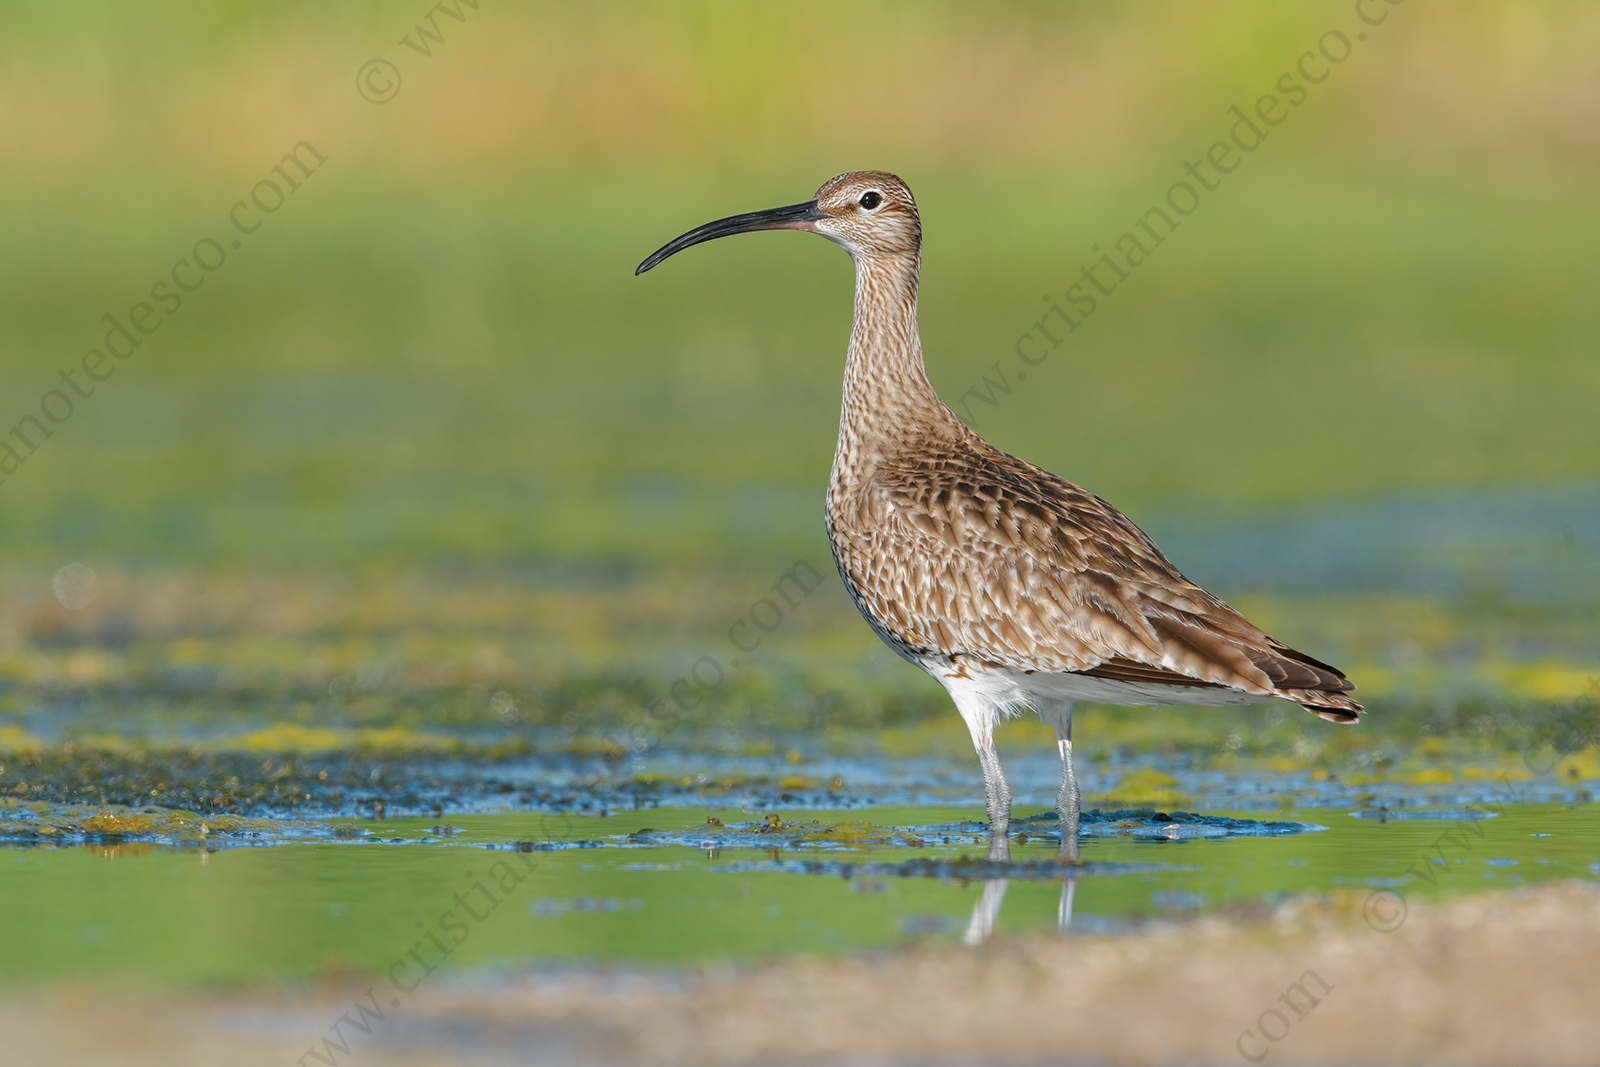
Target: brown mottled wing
[(997, 559)]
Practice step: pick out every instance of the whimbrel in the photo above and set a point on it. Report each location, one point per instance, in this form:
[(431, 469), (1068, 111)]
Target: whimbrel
[(1012, 587)]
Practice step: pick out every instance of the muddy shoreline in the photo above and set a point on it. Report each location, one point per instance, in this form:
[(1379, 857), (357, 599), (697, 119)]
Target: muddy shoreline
[(1499, 978)]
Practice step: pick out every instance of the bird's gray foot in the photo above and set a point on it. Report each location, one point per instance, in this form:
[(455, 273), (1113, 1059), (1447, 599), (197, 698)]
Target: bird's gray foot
[(1069, 800), (997, 794), (980, 720), (999, 846), (1068, 804)]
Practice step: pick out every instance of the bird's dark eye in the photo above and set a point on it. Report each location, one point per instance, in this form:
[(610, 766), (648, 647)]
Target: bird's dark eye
[(870, 200)]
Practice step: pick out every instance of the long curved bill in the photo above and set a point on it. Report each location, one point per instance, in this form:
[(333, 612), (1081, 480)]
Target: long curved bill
[(793, 217)]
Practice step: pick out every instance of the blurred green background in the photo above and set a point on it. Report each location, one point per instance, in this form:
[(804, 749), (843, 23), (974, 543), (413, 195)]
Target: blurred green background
[(425, 423)]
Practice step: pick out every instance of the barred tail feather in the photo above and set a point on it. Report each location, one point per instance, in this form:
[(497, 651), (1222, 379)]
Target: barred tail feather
[(1335, 707)]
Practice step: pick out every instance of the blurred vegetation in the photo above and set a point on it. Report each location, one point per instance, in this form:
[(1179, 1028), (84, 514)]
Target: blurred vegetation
[(429, 404)]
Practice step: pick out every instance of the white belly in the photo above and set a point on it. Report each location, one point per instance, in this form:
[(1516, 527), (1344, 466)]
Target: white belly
[(985, 696)]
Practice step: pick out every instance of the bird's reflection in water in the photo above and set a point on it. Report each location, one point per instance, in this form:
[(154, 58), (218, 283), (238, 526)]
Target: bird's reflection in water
[(1067, 851), (1064, 909), (987, 910)]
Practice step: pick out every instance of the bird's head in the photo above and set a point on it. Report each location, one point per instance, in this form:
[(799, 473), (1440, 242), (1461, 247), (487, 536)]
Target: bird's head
[(869, 213)]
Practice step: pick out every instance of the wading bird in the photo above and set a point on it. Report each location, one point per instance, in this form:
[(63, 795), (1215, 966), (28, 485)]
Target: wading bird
[(1012, 587)]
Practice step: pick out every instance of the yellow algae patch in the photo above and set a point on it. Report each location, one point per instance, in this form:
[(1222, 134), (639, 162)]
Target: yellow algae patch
[(1582, 764), (792, 782), (1145, 787), (115, 822), (293, 737), (1544, 681), (1431, 746), (653, 778), (1494, 774), (1025, 732), (657, 778), (104, 743), (941, 737), (851, 833), (16, 739), (1438, 776), (285, 737), (515, 746), (854, 830), (398, 738), (1363, 779), (1228, 761), (47, 821)]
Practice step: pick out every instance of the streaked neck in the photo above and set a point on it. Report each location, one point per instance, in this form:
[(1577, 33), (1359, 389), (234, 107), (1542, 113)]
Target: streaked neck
[(887, 396)]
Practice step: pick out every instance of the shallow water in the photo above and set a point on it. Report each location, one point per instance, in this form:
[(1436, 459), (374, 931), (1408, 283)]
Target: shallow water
[(367, 792), (411, 896)]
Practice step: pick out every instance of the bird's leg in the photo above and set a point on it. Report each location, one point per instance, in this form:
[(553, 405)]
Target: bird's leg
[(1067, 803), (1069, 799), (997, 793), (998, 803), (980, 716)]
